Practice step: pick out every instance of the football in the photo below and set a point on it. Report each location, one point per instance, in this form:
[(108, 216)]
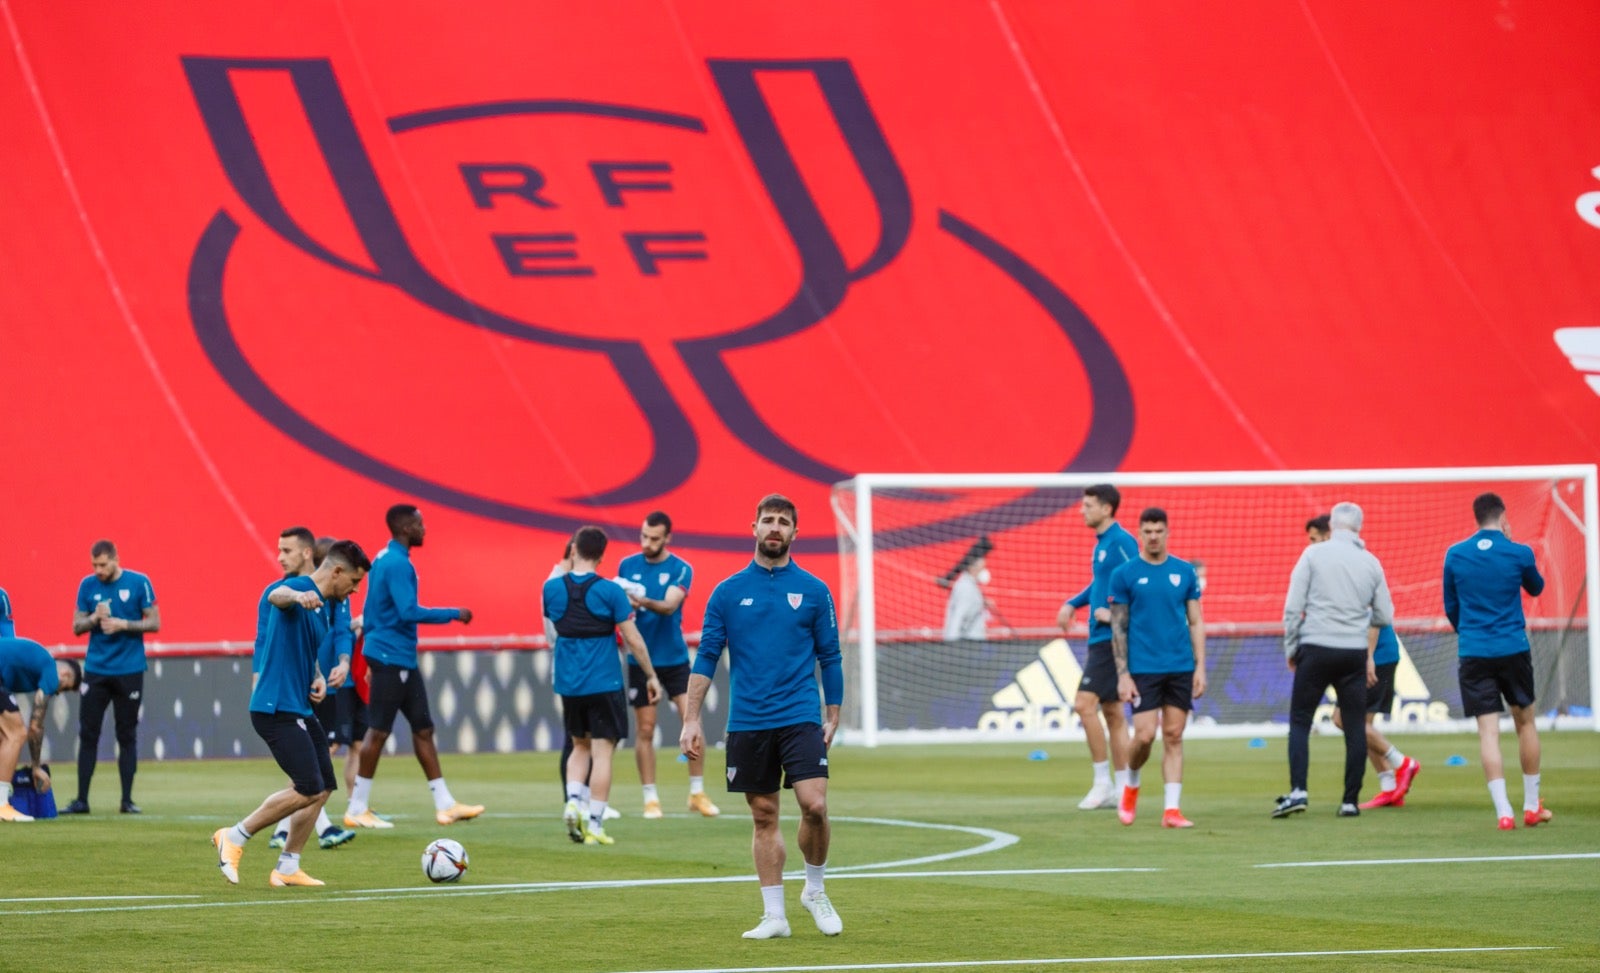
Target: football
[(444, 860)]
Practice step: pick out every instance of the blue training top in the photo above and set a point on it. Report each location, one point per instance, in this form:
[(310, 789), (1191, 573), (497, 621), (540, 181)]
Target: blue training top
[(1112, 549), (392, 612), (289, 654), (339, 641), (8, 628), (120, 653), (662, 634), (26, 666), (1157, 596), (779, 626), (1482, 575), (1388, 648), (586, 666)]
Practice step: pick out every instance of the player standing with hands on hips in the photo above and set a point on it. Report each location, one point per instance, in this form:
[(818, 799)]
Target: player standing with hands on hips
[(778, 624)]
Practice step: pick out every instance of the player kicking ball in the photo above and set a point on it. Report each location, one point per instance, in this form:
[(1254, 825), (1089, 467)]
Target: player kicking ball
[(1158, 639)]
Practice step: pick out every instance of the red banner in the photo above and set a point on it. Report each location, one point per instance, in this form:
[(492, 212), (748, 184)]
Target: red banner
[(537, 265)]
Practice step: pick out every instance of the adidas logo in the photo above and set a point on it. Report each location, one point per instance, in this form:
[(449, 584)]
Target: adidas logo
[(1582, 348), (1039, 696)]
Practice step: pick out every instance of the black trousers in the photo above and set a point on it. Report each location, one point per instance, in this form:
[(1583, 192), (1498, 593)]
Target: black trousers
[(1318, 667), (123, 695)]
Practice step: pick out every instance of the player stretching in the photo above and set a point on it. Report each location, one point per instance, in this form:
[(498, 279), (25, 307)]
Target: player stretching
[(666, 578), (1484, 576), (1158, 637), (778, 624), (1097, 692), (392, 616), (27, 667)]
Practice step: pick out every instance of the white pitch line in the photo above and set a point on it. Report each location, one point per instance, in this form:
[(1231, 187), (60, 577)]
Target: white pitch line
[(1428, 861), (1079, 960), (997, 840), (98, 898)]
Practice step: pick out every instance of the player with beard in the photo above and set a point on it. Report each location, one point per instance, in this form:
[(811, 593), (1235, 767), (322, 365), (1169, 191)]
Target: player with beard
[(778, 624)]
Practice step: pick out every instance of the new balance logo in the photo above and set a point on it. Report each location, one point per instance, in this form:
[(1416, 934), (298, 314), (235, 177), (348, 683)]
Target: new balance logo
[(748, 601), (1040, 695)]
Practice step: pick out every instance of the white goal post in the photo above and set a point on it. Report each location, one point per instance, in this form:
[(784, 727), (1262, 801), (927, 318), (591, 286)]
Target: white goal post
[(902, 538)]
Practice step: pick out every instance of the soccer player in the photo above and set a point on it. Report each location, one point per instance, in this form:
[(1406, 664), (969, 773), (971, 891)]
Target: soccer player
[(392, 616), (116, 607), (1395, 769), (1338, 600), (1097, 691), (588, 612), (27, 667), (778, 624), (1158, 638), (1484, 576), (286, 686), (666, 578), (298, 555)]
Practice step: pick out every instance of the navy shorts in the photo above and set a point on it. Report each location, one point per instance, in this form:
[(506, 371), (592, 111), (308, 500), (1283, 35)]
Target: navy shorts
[(297, 745), (1485, 679), (1153, 690), (397, 690), (7, 704), (759, 760), (600, 716), (674, 683), (1100, 673), (343, 715), (1380, 697)]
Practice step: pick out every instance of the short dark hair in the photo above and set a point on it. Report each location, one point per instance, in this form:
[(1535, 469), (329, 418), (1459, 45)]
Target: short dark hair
[(658, 518), (397, 516), (349, 554), (319, 550), (103, 546), (1152, 515), (589, 543), (566, 552), (1487, 507), (301, 534), (1106, 494), (77, 671), (1321, 523), (778, 503)]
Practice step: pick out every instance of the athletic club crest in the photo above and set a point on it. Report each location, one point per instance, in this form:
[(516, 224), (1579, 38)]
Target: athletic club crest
[(1176, 579), (662, 577), (794, 599)]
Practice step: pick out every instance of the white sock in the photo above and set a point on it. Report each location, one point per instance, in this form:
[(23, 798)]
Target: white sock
[(323, 823), (283, 827), (1133, 777), (1297, 792), (1173, 792), (443, 800), (1395, 757), (1122, 779), (8, 792), (1386, 781), (597, 815), (583, 793), (574, 792), (813, 878), (237, 834), (697, 785), (359, 795), (1530, 792), (288, 864), (650, 793), (772, 901), (1102, 773), (1502, 804)]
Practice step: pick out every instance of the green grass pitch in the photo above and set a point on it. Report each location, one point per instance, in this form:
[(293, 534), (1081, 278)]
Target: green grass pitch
[(953, 857)]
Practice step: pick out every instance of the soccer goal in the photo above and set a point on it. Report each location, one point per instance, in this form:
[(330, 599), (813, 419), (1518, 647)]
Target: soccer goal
[(904, 538)]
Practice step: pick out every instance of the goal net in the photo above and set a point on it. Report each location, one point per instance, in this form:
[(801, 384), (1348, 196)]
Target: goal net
[(1013, 673)]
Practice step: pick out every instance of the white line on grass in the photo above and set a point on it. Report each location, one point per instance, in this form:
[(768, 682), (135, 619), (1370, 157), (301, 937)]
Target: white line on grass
[(98, 898), (1074, 960), (1428, 861)]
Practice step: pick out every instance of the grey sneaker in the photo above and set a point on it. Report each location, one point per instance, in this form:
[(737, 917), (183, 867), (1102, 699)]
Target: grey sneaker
[(1349, 811), (770, 927)]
